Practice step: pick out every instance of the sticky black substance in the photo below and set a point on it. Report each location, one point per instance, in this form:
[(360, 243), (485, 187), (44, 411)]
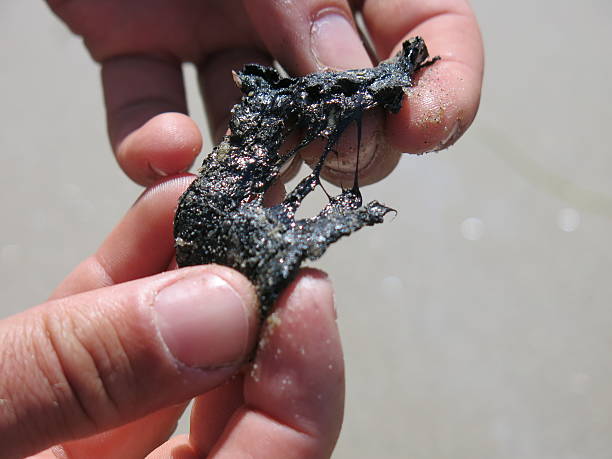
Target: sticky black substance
[(221, 219)]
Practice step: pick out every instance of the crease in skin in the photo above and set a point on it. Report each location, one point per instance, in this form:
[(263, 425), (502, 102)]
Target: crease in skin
[(221, 218)]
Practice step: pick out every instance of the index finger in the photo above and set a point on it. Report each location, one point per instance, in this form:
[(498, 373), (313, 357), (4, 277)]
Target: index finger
[(445, 100), (146, 112), (142, 244)]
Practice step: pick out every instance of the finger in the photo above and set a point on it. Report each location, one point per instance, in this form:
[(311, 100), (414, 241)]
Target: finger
[(209, 416), (93, 361), (446, 98), (135, 439), (370, 156), (294, 394), (137, 89), (152, 213), (142, 244), (275, 194), (321, 34), (167, 144), (212, 411), (177, 447), (311, 35), (439, 110)]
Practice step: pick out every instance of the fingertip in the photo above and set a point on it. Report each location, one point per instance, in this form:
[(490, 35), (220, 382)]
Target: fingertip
[(165, 145), (178, 447), (208, 317), (437, 111), (295, 389), (370, 153), (298, 375), (445, 99), (318, 289)]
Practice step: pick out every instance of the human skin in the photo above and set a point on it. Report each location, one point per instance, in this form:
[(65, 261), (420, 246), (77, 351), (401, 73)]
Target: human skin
[(99, 371), (141, 46)]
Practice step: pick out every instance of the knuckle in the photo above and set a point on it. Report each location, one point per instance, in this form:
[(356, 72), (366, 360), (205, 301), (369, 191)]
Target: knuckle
[(83, 360), (10, 398), (42, 403)]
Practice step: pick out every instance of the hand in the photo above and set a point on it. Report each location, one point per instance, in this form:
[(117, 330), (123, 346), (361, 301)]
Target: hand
[(105, 367), (141, 46)]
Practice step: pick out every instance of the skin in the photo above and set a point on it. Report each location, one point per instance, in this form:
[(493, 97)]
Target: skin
[(106, 385), (96, 332), (143, 85)]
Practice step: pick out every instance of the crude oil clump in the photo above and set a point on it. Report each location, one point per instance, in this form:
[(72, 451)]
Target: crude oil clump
[(221, 218)]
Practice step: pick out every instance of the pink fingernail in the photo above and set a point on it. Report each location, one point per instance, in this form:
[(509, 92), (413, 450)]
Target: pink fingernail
[(203, 321), (336, 43), (158, 171)]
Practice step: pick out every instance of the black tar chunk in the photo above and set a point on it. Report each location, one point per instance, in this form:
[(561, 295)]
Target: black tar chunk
[(221, 219)]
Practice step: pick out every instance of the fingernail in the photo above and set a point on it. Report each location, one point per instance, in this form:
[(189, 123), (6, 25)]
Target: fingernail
[(451, 135), (203, 321), (336, 43), (164, 173), (158, 171)]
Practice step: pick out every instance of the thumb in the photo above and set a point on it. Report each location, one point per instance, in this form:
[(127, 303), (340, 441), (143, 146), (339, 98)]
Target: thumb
[(89, 362)]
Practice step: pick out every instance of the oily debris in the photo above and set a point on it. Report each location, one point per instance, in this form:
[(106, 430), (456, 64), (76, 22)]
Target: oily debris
[(221, 219)]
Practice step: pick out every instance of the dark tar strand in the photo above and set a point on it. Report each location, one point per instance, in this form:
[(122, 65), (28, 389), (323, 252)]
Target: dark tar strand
[(221, 218)]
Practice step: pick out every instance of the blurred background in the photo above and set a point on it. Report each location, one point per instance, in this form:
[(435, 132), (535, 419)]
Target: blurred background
[(477, 323)]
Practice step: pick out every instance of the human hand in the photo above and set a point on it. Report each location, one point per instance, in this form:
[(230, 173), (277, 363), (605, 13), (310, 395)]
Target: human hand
[(141, 46), (105, 367)]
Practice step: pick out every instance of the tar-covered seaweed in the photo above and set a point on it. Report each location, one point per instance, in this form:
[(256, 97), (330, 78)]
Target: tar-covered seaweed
[(221, 218)]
